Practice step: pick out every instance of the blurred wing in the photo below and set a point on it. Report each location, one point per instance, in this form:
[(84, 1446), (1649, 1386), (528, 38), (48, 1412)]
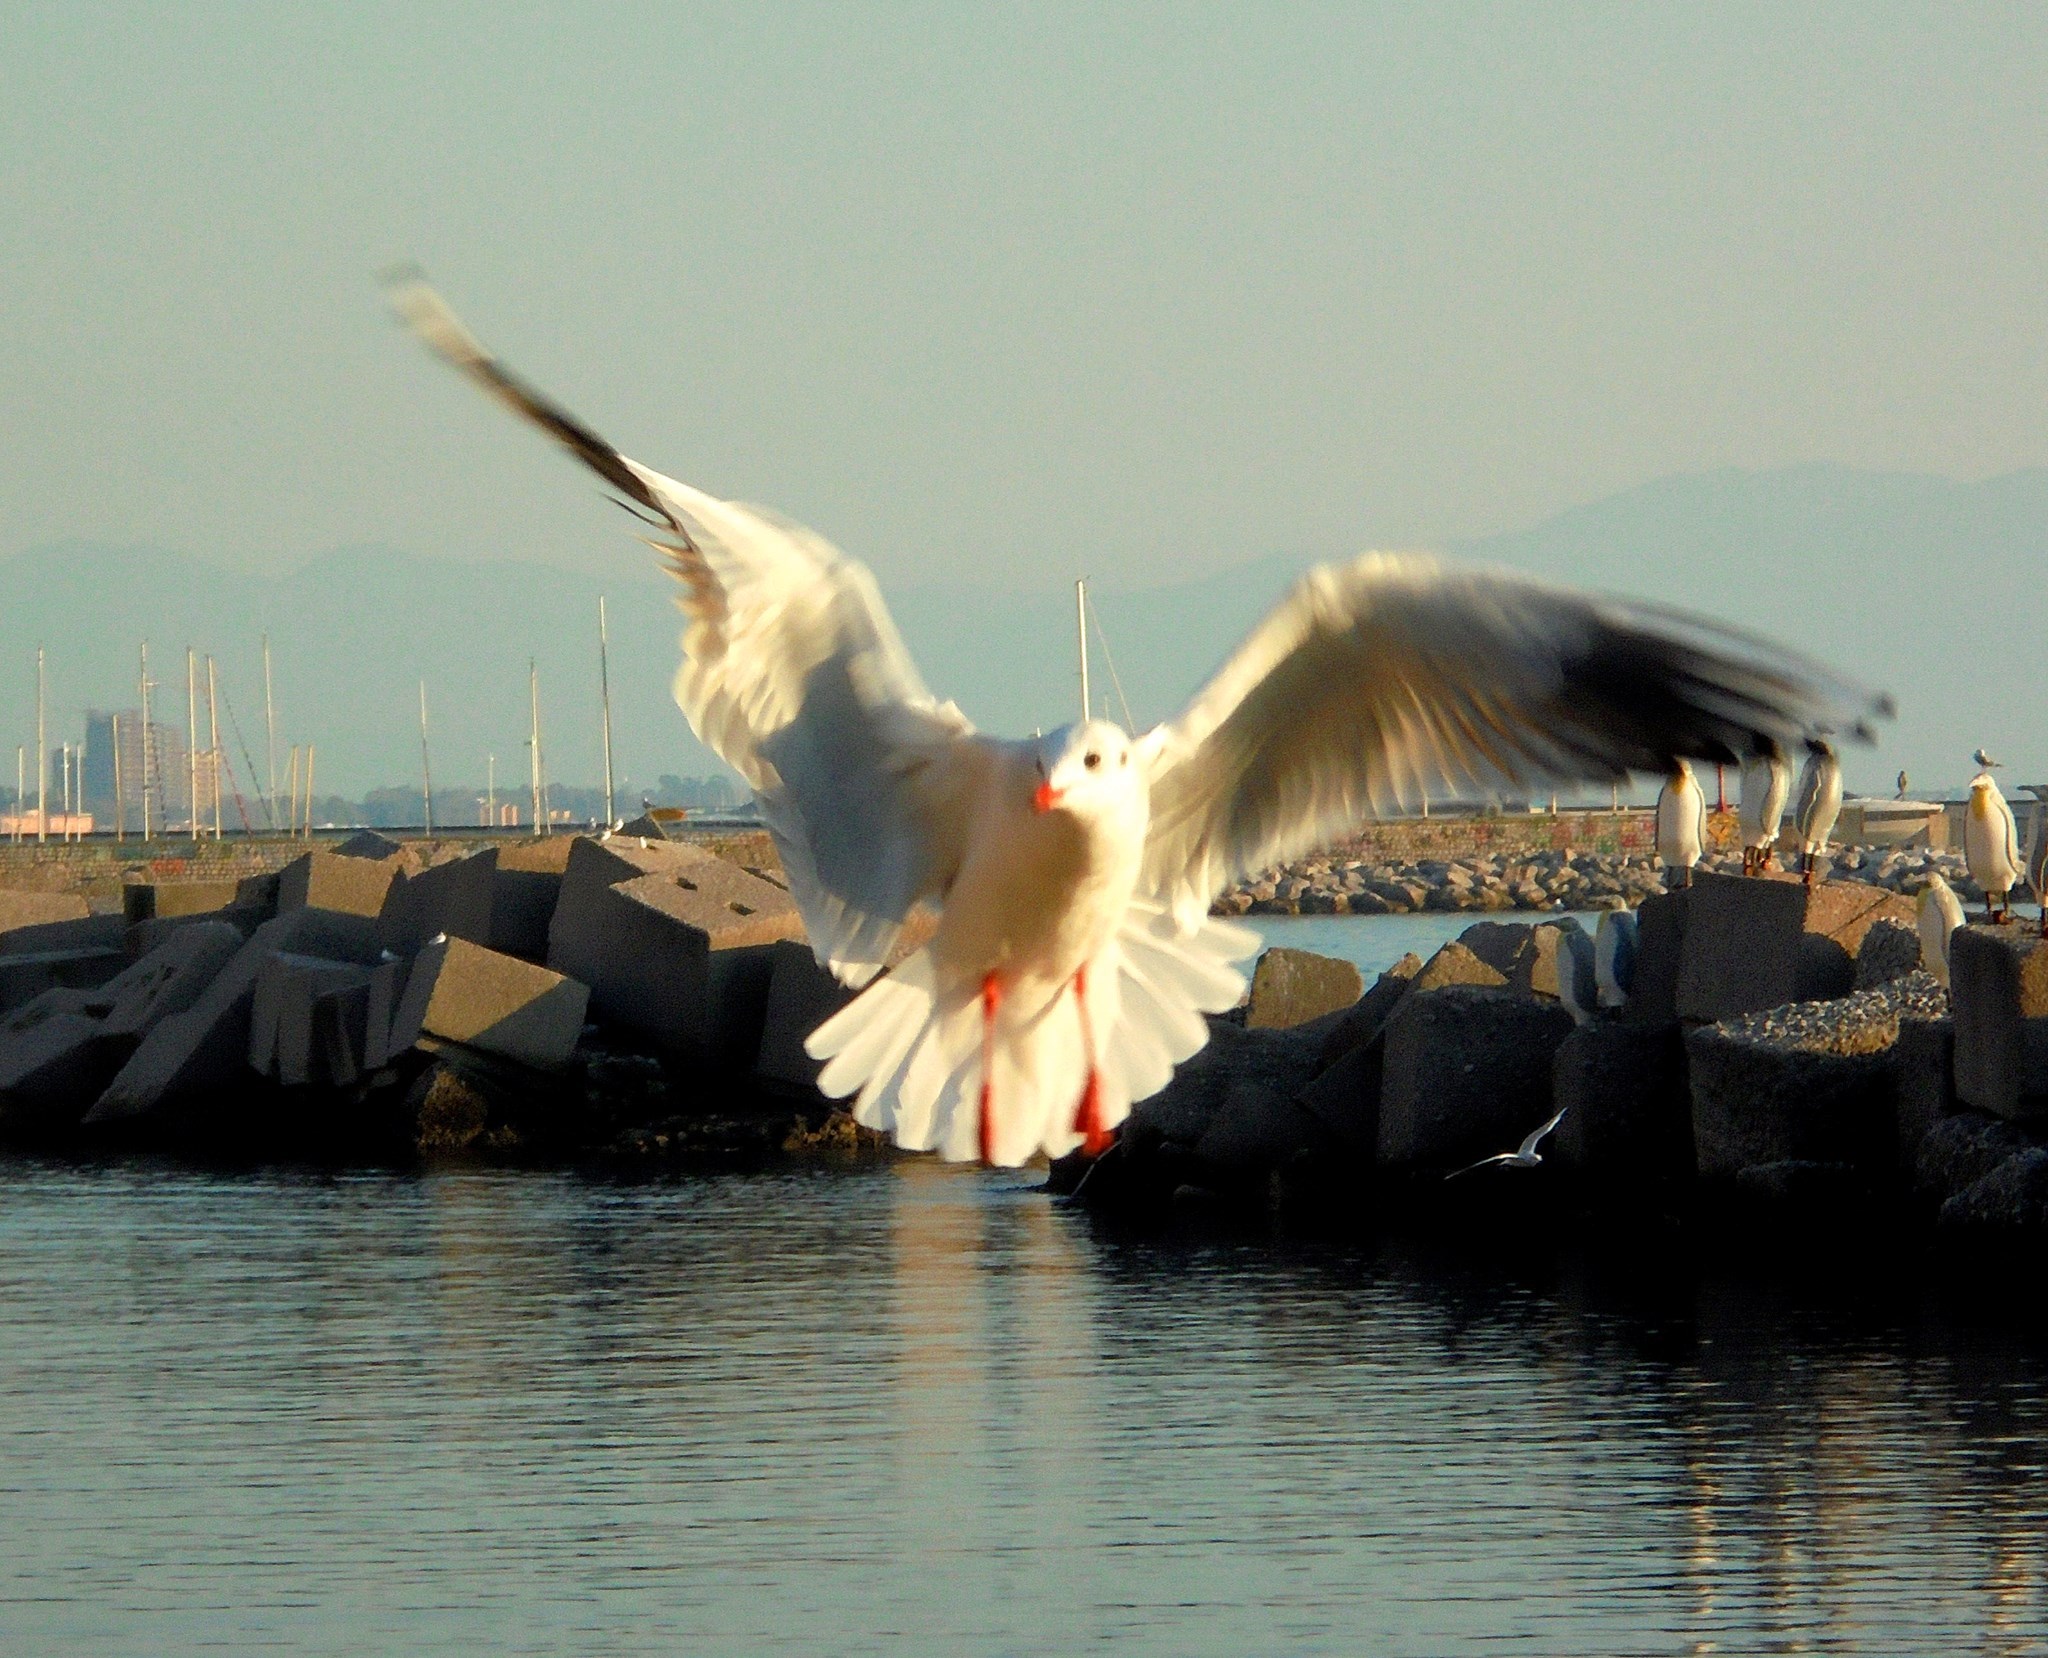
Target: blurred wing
[(793, 674), (1375, 682)]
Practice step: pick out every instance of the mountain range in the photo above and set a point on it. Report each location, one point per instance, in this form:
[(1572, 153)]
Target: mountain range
[(1928, 587)]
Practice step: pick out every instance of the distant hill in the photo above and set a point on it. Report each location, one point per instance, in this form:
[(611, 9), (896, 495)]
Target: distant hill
[(1928, 587)]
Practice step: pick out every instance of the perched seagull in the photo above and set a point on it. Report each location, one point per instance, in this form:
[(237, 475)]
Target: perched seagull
[(1614, 957), (1074, 956), (1766, 786), (1991, 845), (1578, 978), (1525, 1156), (2037, 864), (1939, 913), (1820, 803), (1681, 824)]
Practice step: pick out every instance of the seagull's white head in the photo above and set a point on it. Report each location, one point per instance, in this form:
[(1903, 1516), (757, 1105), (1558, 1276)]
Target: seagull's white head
[(1087, 769)]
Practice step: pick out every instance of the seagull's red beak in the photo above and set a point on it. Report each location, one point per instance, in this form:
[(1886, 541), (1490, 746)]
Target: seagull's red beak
[(1046, 798)]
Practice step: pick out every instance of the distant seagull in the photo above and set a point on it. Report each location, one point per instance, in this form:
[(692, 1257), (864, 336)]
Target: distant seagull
[(1766, 786), (1984, 761), (1073, 954), (1681, 824), (1991, 845), (1820, 803), (1905, 783), (1525, 1156), (1939, 913), (1614, 958)]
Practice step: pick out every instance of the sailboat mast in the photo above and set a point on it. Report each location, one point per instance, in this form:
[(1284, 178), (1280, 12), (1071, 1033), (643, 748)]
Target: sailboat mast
[(604, 682), (1081, 635)]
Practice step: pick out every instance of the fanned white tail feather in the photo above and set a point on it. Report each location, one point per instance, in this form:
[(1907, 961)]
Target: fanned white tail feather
[(910, 1049)]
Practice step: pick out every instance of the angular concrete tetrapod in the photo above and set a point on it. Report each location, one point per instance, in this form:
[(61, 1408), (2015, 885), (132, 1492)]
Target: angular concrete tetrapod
[(454, 898), (332, 881), (462, 992), (1751, 942), (1291, 987), (1998, 990)]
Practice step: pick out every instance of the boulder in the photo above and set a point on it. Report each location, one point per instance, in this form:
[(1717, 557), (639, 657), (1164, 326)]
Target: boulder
[(455, 898), (1998, 986), (190, 1062), (145, 937), (148, 900), (1345, 1097), (369, 845), (462, 992), (1278, 1061), (339, 881), (1627, 1113), (1255, 1130), (1291, 987), (20, 909), (1960, 1150), (802, 995), (1556, 950), (524, 891), (1454, 965), (1363, 1021), (679, 954), (1467, 1074), (386, 990), (2013, 1197), (1500, 944)]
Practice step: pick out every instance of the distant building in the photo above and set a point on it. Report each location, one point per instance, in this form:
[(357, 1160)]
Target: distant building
[(154, 762)]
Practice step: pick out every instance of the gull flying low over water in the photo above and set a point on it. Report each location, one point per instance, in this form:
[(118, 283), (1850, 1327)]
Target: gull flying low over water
[(1073, 956), (1524, 1156)]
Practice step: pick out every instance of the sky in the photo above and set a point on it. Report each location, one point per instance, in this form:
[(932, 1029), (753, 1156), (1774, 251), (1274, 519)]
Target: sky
[(1002, 295)]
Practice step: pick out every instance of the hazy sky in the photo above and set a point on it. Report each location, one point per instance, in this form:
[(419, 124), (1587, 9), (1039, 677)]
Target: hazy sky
[(1005, 293)]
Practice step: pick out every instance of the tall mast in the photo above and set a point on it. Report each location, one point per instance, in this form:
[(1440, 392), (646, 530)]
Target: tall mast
[(540, 825), (192, 738), (42, 759), (309, 791), (604, 681), (148, 741), (1081, 634), (270, 728), (491, 790), (426, 766), (20, 788), (293, 827), (120, 806), (213, 736)]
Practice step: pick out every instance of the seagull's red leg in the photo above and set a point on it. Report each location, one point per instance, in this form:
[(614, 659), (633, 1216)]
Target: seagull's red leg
[(1088, 1119), (991, 1000)]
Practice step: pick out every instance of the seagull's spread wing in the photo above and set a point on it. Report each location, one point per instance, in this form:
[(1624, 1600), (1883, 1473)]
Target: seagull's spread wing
[(1536, 1139), (794, 675), (1379, 680)]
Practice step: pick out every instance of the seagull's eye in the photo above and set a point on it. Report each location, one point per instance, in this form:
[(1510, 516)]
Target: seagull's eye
[(1091, 761)]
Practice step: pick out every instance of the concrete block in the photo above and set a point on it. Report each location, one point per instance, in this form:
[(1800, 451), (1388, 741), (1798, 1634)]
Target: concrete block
[(367, 844), (1367, 1017), (1998, 987), (802, 995), (1554, 950), (20, 909), (1959, 1151), (1500, 944), (334, 881), (1628, 1115), (1467, 1074), (1454, 966), (1757, 1099), (1890, 950), (257, 892), (679, 954), (190, 1061), (170, 978), (82, 932), (1756, 942), (148, 900), (386, 991), (25, 977), (1345, 1097), (281, 1011), (52, 1069), (454, 898), (1660, 949), (1258, 1129), (340, 1035), (524, 893), (1923, 1082), (462, 992), (145, 937), (1279, 1061), (2013, 1197), (1291, 987)]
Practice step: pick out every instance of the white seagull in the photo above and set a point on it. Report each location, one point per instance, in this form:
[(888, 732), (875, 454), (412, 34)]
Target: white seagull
[(1938, 913), (1681, 824), (1525, 1156), (1072, 873), (1766, 787), (1820, 803), (1991, 844)]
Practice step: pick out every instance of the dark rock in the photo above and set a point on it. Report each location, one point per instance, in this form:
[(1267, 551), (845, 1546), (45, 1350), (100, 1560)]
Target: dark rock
[(1660, 949), (2013, 1197), (340, 1035), (1763, 1095), (25, 977), (281, 1040), (1257, 1129), (1556, 949), (1500, 944), (1752, 943), (1345, 1096), (146, 937), (1959, 1151), (52, 1067), (169, 979), (1890, 950), (523, 895), (367, 844), (1365, 1018), (802, 995), (1627, 1111), (1454, 966), (1279, 1061), (1291, 987), (449, 1112), (1467, 1074), (1804, 1184), (1924, 1062), (1998, 984)]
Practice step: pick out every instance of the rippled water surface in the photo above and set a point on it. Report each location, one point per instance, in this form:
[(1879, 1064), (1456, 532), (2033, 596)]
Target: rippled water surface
[(909, 1409)]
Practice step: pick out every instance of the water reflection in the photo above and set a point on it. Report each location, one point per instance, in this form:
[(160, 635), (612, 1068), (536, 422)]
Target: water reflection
[(913, 1408)]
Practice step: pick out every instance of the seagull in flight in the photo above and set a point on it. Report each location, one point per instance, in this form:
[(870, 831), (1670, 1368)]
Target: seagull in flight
[(1074, 956), (1525, 1156)]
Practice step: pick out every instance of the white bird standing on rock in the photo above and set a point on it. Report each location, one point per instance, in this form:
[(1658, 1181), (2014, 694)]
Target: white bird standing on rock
[(1074, 956), (1938, 913), (1681, 824), (1766, 787), (1820, 803), (1991, 843)]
